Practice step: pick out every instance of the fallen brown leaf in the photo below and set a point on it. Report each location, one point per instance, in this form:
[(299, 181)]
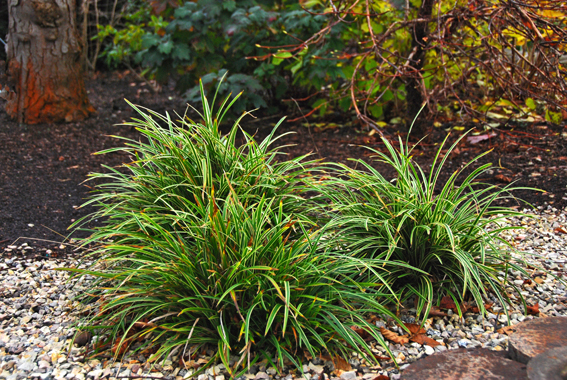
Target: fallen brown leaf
[(503, 178), (539, 280), (341, 364), (372, 318), (414, 329), (363, 333), (447, 303), (191, 364), (121, 346), (424, 339), (508, 330), (149, 351), (465, 307), (390, 335), (381, 377), (100, 345), (560, 230), (476, 309), (533, 310), (436, 312), (382, 357)]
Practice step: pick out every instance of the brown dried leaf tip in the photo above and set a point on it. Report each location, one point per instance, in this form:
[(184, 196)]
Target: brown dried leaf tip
[(392, 336), (533, 310), (508, 330), (417, 335), (341, 364)]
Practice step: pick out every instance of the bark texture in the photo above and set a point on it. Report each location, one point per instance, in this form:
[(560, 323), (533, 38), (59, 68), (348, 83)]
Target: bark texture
[(44, 67)]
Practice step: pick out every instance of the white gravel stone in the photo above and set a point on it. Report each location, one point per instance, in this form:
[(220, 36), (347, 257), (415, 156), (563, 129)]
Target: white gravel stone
[(348, 375), (429, 350)]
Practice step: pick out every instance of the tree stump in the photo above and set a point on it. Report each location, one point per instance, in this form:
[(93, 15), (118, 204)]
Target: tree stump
[(44, 63)]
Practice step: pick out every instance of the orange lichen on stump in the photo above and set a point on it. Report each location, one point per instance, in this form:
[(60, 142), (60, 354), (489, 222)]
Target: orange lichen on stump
[(44, 68), (46, 102)]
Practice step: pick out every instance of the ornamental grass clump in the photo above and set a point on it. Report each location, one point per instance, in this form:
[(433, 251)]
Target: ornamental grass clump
[(432, 243), (174, 173), (209, 245)]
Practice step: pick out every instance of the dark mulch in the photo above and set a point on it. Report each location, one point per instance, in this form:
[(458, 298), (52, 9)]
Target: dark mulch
[(43, 167)]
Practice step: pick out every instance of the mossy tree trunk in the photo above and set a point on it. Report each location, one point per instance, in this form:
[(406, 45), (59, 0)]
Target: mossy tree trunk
[(44, 63)]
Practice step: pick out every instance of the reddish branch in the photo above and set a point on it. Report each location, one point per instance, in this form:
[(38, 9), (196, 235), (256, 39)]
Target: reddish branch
[(508, 72)]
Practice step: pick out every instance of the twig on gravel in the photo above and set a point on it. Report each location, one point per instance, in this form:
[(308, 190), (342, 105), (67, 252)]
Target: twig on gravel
[(186, 343)]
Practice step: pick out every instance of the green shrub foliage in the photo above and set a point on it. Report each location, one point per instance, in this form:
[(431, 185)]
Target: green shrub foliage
[(443, 242), (206, 243), (204, 39), (467, 60), (210, 243)]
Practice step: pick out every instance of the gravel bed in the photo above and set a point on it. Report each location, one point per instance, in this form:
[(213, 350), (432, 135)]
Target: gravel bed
[(38, 315)]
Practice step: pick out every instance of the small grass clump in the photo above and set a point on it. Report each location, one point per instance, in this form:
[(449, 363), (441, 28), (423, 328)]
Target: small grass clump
[(210, 244), (430, 243)]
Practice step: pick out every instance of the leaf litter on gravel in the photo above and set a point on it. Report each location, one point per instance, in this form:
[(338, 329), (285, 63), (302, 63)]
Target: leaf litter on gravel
[(416, 334)]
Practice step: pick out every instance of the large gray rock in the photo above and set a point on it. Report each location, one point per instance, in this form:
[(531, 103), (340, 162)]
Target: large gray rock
[(475, 364), (537, 336), (551, 365)]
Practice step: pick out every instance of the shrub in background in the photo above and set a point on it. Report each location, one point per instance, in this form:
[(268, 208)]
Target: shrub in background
[(203, 39), (381, 58), (207, 243), (432, 243)]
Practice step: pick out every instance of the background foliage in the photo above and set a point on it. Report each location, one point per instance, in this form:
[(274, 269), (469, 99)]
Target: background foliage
[(493, 60), (471, 60), (198, 39)]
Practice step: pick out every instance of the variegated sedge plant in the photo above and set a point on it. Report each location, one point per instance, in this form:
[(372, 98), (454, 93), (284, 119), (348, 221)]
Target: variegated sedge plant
[(434, 240), (205, 243)]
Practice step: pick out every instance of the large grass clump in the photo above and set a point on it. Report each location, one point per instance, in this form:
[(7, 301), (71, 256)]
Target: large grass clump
[(434, 239), (205, 243)]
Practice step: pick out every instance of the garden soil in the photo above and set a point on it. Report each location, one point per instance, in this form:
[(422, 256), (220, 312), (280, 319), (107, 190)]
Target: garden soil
[(43, 167)]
